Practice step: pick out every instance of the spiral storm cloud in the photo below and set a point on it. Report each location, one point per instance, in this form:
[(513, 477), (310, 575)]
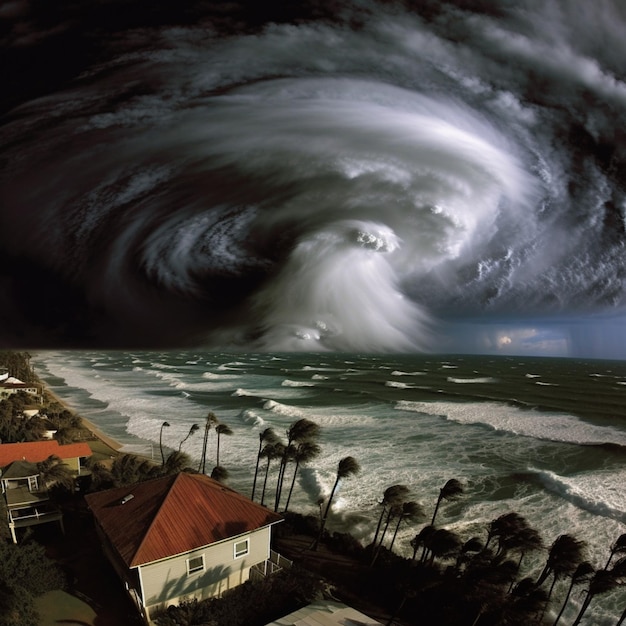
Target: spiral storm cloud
[(355, 176)]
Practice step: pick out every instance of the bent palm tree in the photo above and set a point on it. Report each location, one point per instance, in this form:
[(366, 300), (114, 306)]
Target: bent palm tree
[(300, 431), (53, 471), (163, 425), (176, 462), (392, 496), (603, 581), (582, 574), (221, 429), (348, 466), (219, 473), (566, 553), (265, 436), (304, 452), (194, 428), (452, 490), (270, 452), (619, 547), (211, 420)]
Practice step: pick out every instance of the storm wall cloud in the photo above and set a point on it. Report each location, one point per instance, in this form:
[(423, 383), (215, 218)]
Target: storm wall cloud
[(359, 177)]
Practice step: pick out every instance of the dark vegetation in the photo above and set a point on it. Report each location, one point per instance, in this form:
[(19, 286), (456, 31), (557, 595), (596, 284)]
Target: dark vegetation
[(447, 580)]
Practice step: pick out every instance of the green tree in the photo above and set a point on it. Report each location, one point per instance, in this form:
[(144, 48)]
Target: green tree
[(52, 471), (176, 462), (348, 466), (128, 469)]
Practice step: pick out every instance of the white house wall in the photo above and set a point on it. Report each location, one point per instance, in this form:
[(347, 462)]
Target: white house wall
[(167, 582)]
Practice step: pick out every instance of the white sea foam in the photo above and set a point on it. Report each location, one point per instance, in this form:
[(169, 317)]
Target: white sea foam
[(297, 383), (399, 385), (600, 493), (319, 377), (544, 384), (251, 417), (532, 376), (214, 376), (483, 379), (529, 423), (400, 373)]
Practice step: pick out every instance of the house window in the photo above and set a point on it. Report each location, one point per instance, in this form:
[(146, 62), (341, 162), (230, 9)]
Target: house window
[(242, 548), (195, 565)]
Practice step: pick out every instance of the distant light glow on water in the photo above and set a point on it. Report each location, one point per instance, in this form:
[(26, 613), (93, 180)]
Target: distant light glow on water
[(543, 437)]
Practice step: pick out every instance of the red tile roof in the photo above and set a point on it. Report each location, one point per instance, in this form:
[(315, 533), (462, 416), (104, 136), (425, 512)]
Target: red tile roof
[(173, 515), (37, 451)]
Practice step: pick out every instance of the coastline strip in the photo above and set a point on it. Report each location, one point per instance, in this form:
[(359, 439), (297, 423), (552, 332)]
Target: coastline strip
[(107, 440)]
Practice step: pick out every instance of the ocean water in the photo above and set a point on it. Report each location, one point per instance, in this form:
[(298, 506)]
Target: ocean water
[(543, 437)]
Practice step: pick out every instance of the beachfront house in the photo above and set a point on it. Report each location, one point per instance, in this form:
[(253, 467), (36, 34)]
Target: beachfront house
[(27, 500), (10, 385), (181, 537)]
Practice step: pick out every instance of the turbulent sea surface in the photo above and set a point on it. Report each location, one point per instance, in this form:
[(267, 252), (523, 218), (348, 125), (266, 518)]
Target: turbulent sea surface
[(543, 437)]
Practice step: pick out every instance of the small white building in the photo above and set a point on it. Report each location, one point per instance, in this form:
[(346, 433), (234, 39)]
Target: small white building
[(181, 537)]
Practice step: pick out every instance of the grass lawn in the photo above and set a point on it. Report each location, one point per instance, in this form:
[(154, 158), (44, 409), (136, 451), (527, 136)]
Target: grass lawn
[(58, 607)]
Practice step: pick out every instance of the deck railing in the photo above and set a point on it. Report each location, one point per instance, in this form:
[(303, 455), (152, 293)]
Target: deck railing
[(274, 564)]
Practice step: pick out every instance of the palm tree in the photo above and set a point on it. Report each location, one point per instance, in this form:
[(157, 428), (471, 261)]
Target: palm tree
[(211, 420), (392, 496), (194, 428), (582, 574), (348, 466), (452, 490), (163, 425), (128, 469), (619, 547), (221, 429), (52, 471), (602, 581), (219, 473), (300, 431), (176, 462), (409, 511), (566, 553), (265, 436), (304, 452), (270, 452), (421, 539), (443, 543)]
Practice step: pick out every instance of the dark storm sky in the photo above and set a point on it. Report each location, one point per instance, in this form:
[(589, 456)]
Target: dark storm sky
[(358, 176)]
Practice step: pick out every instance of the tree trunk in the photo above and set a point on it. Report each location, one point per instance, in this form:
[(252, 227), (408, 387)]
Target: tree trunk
[(621, 619), (583, 608), (256, 469), (293, 482), (567, 595), (325, 516), (267, 471), (380, 523)]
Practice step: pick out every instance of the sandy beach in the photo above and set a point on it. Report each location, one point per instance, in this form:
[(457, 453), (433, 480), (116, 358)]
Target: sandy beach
[(108, 441)]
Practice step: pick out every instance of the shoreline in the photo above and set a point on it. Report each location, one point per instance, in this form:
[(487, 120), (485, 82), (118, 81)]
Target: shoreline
[(97, 433)]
